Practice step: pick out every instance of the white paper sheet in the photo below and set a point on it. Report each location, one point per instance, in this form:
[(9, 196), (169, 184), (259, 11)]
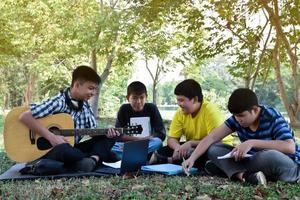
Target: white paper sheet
[(116, 165), (230, 155)]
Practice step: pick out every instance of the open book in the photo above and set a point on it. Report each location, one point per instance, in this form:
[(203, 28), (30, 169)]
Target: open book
[(231, 155), (168, 169)]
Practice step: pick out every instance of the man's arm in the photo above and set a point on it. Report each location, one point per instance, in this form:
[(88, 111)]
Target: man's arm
[(126, 138), (216, 135), (284, 146), (27, 119), (193, 143), (173, 143), (157, 124), (183, 150)]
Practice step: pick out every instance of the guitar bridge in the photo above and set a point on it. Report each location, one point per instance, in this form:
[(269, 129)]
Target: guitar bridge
[(32, 137)]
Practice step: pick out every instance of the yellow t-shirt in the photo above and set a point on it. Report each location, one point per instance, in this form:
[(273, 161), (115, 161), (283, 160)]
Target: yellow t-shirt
[(208, 118)]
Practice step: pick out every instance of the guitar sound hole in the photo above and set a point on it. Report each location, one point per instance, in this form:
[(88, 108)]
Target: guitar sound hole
[(44, 144), (54, 130)]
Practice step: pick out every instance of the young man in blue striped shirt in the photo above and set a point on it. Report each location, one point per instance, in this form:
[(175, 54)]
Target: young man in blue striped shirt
[(73, 100), (263, 133)]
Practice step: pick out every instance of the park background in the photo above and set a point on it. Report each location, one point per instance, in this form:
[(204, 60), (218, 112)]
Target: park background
[(221, 44)]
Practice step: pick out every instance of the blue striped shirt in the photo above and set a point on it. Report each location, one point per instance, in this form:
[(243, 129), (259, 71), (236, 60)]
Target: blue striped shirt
[(83, 118), (272, 126)]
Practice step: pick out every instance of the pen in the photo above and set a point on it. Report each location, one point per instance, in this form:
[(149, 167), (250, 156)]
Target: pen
[(186, 172)]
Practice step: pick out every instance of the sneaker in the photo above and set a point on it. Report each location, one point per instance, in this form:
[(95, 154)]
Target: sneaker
[(157, 159), (213, 170), (85, 165), (257, 178)]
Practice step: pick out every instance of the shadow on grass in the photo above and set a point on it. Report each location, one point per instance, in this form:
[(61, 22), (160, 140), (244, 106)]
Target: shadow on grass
[(6, 163)]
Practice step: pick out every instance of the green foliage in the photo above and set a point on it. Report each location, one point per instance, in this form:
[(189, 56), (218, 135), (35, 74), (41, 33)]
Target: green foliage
[(114, 91), (51, 38), (166, 93), (42, 41), (13, 83)]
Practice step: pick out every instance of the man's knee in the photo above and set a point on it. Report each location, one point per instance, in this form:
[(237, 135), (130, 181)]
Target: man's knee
[(277, 165), (275, 157), (154, 144), (65, 153)]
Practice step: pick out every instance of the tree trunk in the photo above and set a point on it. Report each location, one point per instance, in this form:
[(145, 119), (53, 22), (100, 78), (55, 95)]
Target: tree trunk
[(29, 90), (282, 90), (6, 101), (294, 107), (247, 81), (95, 99), (153, 80), (154, 92)]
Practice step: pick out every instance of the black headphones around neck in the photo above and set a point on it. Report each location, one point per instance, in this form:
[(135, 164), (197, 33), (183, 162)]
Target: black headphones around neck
[(72, 103)]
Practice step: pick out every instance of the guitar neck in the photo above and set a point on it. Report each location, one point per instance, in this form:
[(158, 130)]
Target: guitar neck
[(90, 132)]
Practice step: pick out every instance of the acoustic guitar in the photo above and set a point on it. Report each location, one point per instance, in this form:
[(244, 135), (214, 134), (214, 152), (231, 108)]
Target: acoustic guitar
[(23, 145)]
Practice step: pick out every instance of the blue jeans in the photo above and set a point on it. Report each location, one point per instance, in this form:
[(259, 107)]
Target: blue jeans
[(154, 144), (274, 164)]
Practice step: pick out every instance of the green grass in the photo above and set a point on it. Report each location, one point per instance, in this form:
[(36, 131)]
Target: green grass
[(139, 187), (143, 187), (1, 131)]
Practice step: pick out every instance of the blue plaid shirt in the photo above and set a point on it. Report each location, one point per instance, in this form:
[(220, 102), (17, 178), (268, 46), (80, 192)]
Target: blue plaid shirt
[(82, 118), (272, 126)]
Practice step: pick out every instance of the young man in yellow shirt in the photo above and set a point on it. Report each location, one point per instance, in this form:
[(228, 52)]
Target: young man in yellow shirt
[(195, 119)]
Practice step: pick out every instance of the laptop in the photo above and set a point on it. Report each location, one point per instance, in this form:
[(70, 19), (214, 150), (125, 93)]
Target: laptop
[(134, 156)]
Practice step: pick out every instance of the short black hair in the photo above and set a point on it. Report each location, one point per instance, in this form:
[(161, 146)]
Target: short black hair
[(136, 87), (241, 99), (190, 89), (85, 73)]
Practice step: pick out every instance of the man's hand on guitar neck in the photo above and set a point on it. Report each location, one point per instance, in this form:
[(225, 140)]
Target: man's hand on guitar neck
[(111, 133)]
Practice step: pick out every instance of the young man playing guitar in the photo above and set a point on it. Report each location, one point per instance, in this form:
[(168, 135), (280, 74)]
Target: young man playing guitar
[(85, 155)]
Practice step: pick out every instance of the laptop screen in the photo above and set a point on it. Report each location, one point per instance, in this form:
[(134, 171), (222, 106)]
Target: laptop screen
[(134, 155)]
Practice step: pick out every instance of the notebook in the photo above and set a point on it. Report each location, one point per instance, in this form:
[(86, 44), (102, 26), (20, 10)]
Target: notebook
[(134, 156), (168, 169)]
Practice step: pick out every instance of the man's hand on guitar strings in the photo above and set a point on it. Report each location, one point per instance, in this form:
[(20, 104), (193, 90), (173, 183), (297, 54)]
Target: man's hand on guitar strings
[(57, 139)]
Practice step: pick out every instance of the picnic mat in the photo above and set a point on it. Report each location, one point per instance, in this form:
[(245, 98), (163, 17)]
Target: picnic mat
[(14, 174)]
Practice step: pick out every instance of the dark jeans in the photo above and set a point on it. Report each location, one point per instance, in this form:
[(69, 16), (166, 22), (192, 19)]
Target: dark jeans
[(166, 151), (274, 164), (99, 145)]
